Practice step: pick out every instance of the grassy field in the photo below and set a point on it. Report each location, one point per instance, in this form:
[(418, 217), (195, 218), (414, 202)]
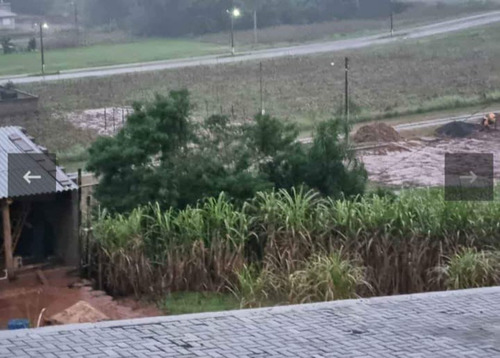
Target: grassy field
[(140, 50), (411, 77), (103, 55), (195, 302)]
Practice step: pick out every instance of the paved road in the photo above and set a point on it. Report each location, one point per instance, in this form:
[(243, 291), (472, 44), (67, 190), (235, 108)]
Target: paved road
[(415, 33), (452, 324)]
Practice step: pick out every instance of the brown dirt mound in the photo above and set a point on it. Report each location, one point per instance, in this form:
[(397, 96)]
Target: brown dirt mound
[(378, 132), (27, 296)]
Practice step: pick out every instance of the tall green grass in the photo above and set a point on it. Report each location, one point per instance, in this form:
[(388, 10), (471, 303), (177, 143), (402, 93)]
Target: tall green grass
[(470, 268), (285, 246)]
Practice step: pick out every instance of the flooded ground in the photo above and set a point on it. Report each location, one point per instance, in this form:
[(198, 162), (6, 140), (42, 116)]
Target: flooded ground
[(420, 162), (27, 297)]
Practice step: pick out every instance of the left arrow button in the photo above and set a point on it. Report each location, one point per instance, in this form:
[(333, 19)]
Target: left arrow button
[(28, 177)]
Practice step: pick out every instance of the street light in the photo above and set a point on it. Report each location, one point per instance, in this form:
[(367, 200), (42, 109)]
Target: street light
[(233, 14), (42, 26)]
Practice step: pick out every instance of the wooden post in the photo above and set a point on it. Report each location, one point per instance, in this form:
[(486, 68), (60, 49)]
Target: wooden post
[(114, 125), (7, 240), (80, 241), (88, 243)]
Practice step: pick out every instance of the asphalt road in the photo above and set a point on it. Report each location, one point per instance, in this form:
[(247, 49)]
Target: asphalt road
[(333, 46)]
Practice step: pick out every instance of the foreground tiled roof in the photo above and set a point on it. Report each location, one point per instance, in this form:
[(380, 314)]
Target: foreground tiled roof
[(448, 324)]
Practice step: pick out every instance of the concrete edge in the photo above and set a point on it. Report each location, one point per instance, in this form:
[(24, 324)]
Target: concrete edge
[(243, 313)]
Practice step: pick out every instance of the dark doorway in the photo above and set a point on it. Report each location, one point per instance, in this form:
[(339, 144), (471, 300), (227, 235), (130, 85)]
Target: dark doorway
[(37, 238)]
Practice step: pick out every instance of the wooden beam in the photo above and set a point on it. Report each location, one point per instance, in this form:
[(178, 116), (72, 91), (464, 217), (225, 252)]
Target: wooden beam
[(7, 240)]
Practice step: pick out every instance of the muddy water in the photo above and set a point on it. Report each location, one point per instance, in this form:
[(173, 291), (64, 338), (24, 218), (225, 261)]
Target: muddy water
[(421, 163), (27, 297)]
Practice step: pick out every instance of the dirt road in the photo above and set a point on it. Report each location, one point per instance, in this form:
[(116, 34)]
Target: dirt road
[(420, 163)]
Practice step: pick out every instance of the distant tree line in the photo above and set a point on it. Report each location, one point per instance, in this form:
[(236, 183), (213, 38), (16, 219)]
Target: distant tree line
[(180, 17)]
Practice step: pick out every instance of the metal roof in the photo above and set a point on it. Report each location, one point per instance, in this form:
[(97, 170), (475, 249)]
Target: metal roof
[(13, 140), (5, 13)]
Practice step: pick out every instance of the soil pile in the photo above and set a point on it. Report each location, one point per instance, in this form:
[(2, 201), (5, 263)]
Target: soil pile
[(378, 132), (81, 312), (458, 129), (27, 297)]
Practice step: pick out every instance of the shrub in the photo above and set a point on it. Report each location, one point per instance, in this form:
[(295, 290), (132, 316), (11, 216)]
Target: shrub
[(470, 268), (7, 45), (326, 278), (321, 278)]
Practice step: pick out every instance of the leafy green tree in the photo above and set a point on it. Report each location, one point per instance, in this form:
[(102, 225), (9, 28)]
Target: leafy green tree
[(128, 163), (331, 165), (181, 17), (7, 45), (161, 155), (280, 155)]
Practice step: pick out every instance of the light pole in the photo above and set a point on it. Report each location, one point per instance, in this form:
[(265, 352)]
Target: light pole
[(42, 26), (77, 26), (233, 14), (392, 23)]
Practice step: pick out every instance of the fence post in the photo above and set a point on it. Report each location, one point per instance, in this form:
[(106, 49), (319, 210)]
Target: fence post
[(80, 241), (89, 230)]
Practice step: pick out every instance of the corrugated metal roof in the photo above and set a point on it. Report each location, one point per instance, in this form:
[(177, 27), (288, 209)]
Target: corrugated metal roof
[(5, 13), (13, 140)]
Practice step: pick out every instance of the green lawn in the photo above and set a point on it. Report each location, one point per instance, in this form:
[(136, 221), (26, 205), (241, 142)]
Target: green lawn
[(196, 302), (105, 55)]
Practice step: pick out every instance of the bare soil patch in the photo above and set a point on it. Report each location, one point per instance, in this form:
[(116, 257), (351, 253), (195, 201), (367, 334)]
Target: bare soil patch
[(378, 132), (103, 121), (26, 297), (422, 163)]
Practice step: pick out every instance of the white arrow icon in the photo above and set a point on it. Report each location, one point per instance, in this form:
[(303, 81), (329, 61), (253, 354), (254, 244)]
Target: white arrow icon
[(28, 177), (471, 178)]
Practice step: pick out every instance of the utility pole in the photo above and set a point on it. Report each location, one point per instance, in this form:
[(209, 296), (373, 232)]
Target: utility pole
[(77, 25), (232, 34), (42, 49), (262, 111), (392, 23), (347, 99), (255, 30)]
